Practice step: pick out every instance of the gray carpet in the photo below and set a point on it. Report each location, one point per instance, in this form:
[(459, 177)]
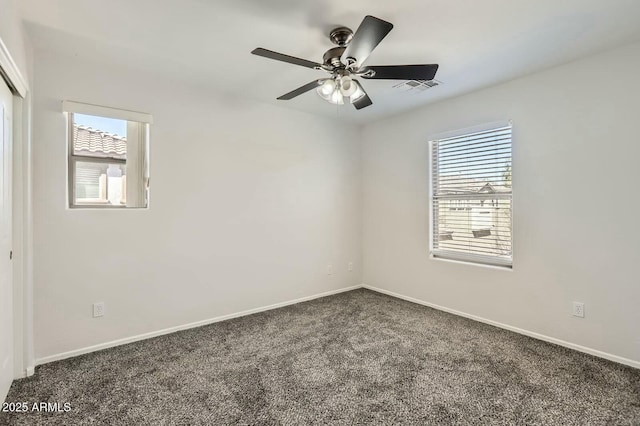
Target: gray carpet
[(354, 358)]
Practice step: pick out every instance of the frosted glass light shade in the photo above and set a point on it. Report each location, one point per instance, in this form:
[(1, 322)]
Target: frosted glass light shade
[(327, 88), (336, 98), (330, 93), (347, 86), (358, 93)]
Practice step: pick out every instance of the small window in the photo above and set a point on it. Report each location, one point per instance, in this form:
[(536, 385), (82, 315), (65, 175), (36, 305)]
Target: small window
[(471, 202), (108, 157)]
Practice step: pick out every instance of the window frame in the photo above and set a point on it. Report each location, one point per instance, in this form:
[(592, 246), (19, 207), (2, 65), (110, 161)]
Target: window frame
[(462, 257), (136, 161)]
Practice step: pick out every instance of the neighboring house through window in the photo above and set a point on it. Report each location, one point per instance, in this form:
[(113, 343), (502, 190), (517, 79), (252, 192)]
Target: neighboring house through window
[(471, 195), (108, 156)]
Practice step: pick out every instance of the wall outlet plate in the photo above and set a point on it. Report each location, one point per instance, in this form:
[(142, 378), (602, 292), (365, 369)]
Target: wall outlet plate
[(98, 309), (350, 266), (329, 269), (578, 309)]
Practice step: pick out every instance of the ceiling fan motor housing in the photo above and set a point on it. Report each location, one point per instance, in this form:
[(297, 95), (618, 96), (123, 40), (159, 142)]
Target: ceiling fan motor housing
[(332, 57)]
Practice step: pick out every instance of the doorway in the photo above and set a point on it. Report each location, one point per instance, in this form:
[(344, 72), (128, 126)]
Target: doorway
[(6, 282)]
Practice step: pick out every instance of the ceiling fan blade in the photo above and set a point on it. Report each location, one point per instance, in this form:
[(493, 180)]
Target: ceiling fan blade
[(285, 58), (302, 89), (364, 100), (402, 72), (368, 35)]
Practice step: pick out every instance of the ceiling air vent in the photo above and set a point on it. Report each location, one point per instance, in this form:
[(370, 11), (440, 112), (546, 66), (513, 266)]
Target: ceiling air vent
[(416, 85)]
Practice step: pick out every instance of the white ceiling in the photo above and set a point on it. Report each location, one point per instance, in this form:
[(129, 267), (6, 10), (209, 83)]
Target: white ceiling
[(208, 42)]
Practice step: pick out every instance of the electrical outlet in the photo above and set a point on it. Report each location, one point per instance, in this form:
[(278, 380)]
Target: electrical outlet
[(578, 309), (329, 269), (350, 266), (98, 309)]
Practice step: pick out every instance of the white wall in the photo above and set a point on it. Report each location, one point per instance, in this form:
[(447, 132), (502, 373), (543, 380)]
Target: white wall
[(249, 203), (575, 180)]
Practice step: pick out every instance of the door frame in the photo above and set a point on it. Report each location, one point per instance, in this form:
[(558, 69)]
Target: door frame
[(22, 217)]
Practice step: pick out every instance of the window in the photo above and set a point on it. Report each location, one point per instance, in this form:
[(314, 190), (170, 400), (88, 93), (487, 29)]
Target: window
[(108, 156), (471, 195)]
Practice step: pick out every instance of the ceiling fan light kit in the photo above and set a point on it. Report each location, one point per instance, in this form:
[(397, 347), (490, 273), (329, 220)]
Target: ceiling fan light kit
[(346, 61), (336, 90)]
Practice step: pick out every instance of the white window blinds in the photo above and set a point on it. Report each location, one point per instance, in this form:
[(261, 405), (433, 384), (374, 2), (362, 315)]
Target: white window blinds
[(471, 201)]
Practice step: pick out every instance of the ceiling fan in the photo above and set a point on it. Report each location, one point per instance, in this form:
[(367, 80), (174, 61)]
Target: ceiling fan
[(346, 62)]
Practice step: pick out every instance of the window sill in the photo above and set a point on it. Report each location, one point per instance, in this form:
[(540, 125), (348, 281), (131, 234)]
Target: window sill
[(104, 207), (471, 263)]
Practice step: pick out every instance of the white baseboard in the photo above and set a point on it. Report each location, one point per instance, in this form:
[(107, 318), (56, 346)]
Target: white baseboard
[(29, 371), (590, 351), (149, 335)]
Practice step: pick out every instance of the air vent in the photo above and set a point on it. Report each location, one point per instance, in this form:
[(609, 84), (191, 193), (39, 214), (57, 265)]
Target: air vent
[(416, 85)]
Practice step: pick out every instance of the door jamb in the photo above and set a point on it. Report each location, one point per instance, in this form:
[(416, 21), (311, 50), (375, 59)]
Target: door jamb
[(22, 221)]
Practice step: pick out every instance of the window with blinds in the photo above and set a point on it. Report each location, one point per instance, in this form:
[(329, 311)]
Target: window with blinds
[(471, 196)]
